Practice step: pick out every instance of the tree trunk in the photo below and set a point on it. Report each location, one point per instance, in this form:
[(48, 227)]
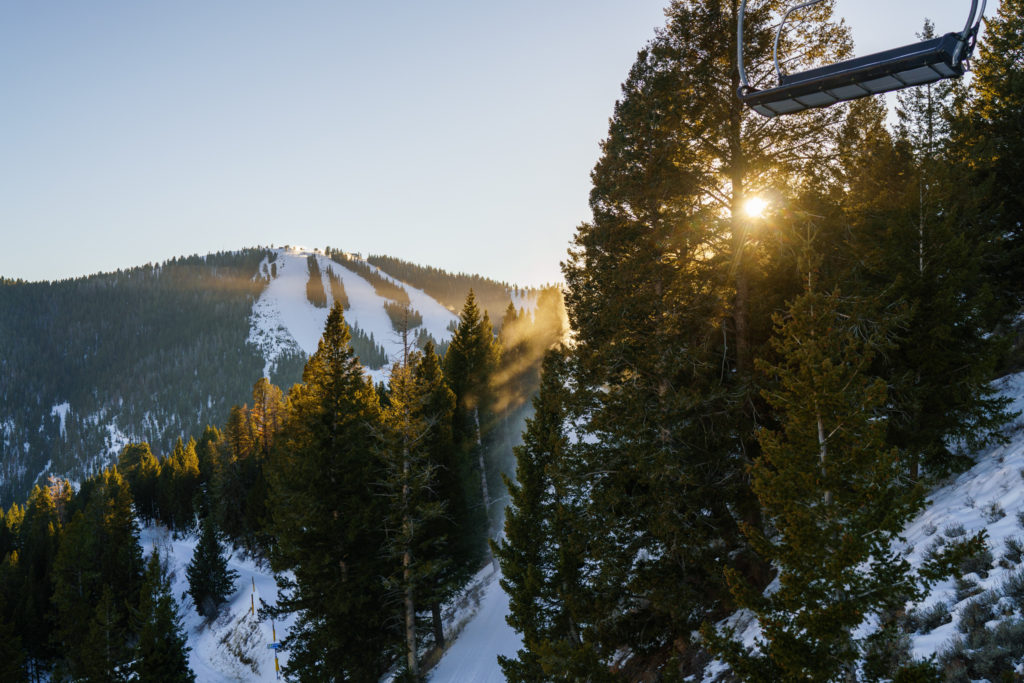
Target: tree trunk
[(409, 603), (483, 486), (435, 615), (822, 453), (410, 619), (483, 471)]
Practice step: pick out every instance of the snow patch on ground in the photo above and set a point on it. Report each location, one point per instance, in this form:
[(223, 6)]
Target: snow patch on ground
[(283, 320), (473, 656), (436, 317), (988, 497), (115, 439), (61, 410), (41, 477), (234, 646)]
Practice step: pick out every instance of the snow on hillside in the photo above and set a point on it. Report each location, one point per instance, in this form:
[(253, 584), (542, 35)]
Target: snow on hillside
[(284, 320), (61, 411), (988, 497), (234, 646), (436, 318)]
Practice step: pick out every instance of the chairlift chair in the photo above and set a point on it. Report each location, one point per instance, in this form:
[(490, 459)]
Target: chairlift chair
[(924, 62)]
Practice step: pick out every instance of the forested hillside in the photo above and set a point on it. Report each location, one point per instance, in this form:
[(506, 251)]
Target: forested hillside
[(158, 352), (766, 433)]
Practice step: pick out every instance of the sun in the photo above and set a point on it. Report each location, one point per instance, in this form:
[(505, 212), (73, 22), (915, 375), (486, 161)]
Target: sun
[(755, 207)]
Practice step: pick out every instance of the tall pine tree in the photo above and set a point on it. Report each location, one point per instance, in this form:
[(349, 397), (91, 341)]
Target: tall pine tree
[(454, 485), (329, 556), (210, 581), (988, 131), (659, 295), (160, 650), (469, 365), (409, 477), (833, 491), (543, 557), (96, 575)]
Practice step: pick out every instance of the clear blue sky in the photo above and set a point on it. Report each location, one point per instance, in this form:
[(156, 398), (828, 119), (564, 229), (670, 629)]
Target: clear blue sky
[(454, 133)]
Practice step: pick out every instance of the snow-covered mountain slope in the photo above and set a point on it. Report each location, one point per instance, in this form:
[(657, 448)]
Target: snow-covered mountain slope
[(283, 320)]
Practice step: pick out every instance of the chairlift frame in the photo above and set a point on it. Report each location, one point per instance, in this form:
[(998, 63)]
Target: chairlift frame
[(916, 64)]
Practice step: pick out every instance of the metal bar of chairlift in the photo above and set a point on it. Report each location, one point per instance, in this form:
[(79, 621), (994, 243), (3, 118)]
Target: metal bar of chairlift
[(778, 32), (915, 64)]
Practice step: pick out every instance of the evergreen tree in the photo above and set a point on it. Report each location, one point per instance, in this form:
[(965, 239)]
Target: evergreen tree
[(232, 480), (206, 452), (409, 478), (7, 530), (105, 654), (924, 114), (988, 145), (315, 284), (12, 651), (240, 486), (338, 294), (329, 556), (266, 415), (96, 575), (210, 581), (834, 493), (454, 549), (659, 287), (141, 470), (178, 485), (469, 365), (32, 577), (160, 652), (542, 559), (908, 247)]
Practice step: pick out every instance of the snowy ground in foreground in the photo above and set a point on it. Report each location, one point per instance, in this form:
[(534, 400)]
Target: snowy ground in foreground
[(234, 646), (473, 657)]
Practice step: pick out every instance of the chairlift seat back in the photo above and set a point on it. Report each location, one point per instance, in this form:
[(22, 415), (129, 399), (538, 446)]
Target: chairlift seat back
[(916, 64)]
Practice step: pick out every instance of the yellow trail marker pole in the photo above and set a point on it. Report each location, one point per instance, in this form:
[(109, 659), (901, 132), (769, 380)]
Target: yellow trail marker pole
[(277, 667)]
